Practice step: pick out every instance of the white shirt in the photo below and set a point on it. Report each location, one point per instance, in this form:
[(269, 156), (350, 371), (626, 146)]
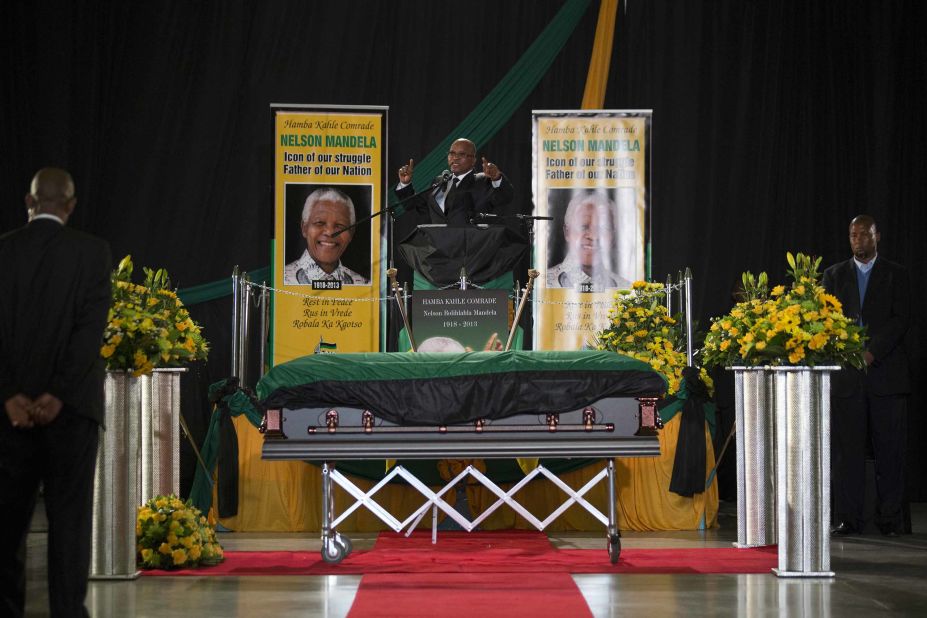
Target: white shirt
[(867, 266), (46, 215), (569, 274), (305, 270)]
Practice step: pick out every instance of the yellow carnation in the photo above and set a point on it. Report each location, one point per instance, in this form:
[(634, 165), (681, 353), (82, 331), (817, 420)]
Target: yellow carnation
[(817, 341), (165, 548), (179, 556)]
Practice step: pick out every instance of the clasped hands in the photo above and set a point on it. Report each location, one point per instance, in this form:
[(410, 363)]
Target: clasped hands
[(25, 413)]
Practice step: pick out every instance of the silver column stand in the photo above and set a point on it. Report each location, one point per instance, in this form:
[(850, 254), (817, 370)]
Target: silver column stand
[(803, 470), (116, 489), (160, 441), (756, 457)]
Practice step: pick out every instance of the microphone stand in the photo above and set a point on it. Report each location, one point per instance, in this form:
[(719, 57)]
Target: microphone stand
[(391, 208), (391, 269), (529, 220)]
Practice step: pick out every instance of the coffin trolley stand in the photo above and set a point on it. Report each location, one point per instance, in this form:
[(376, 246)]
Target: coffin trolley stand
[(290, 434)]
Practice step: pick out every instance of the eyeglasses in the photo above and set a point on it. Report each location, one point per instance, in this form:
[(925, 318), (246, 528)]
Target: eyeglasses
[(454, 154)]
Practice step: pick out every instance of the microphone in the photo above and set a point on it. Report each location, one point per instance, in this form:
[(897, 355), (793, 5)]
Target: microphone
[(442, 179), (486, 215)]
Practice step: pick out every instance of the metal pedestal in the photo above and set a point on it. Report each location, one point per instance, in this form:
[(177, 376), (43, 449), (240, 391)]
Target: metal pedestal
[(802, 404), (756, 457), (116, 494), (160, 434)]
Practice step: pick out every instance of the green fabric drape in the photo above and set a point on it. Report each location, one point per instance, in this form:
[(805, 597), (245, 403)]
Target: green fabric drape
[(217, 289), (480, 125), (237, 403), (499, 105)]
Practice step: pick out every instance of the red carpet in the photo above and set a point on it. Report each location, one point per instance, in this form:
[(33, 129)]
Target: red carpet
[(488, 552), (468, 595)]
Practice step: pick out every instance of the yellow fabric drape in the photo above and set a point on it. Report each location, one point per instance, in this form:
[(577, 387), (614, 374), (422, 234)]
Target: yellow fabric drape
[(597, 76), (286, 496)]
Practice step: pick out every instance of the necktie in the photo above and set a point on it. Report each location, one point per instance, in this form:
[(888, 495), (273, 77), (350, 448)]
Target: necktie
[(441, 198)]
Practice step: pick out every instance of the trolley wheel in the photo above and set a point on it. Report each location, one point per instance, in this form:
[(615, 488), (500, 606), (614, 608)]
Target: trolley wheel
[(614, 548), (332, 551), (345, 543)]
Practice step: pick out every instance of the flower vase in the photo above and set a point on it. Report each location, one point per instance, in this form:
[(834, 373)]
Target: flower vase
[(160, 434), (116, 494), (802, 401), (756, 457)]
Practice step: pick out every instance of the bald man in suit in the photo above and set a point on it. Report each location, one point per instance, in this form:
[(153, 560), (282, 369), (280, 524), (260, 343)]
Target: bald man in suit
[(53, 309), (463, 196), (871, 403)]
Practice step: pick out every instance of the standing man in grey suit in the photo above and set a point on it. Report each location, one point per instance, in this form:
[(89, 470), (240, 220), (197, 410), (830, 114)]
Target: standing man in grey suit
[(873, 291), (464, 195), (54, 299)]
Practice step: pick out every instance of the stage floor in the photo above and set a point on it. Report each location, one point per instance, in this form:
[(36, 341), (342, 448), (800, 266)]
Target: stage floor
[(875, 576)]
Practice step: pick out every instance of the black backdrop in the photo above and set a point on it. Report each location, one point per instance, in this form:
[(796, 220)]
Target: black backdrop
[(774, 123)]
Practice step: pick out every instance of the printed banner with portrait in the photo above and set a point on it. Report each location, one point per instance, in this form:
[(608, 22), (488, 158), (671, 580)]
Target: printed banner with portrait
[(591, 177), (328, 262)]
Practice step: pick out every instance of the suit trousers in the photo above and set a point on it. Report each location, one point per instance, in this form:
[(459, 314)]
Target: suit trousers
[(884, 418), (62, 457)]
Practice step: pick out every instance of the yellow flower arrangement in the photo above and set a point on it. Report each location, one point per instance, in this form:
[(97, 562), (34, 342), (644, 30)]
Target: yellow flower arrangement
[(148, 325), (172, 534), (803, 325), (641, 327)]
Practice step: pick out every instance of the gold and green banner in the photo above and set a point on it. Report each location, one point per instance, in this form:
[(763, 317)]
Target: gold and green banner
[(327, 268), (591, 176)]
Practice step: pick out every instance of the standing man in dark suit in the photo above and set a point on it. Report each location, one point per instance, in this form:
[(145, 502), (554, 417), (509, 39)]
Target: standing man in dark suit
[(54, 298), (874, 291), (460, 198)]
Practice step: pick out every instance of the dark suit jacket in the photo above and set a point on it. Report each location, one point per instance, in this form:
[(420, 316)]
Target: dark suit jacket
[(886, 313), (474, 194), (54, 299)]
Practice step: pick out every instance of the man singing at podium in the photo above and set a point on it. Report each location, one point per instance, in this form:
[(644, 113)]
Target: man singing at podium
[(463, 195)]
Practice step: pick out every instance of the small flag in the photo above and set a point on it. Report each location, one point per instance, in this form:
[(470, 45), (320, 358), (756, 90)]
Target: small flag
[(326, 348)]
